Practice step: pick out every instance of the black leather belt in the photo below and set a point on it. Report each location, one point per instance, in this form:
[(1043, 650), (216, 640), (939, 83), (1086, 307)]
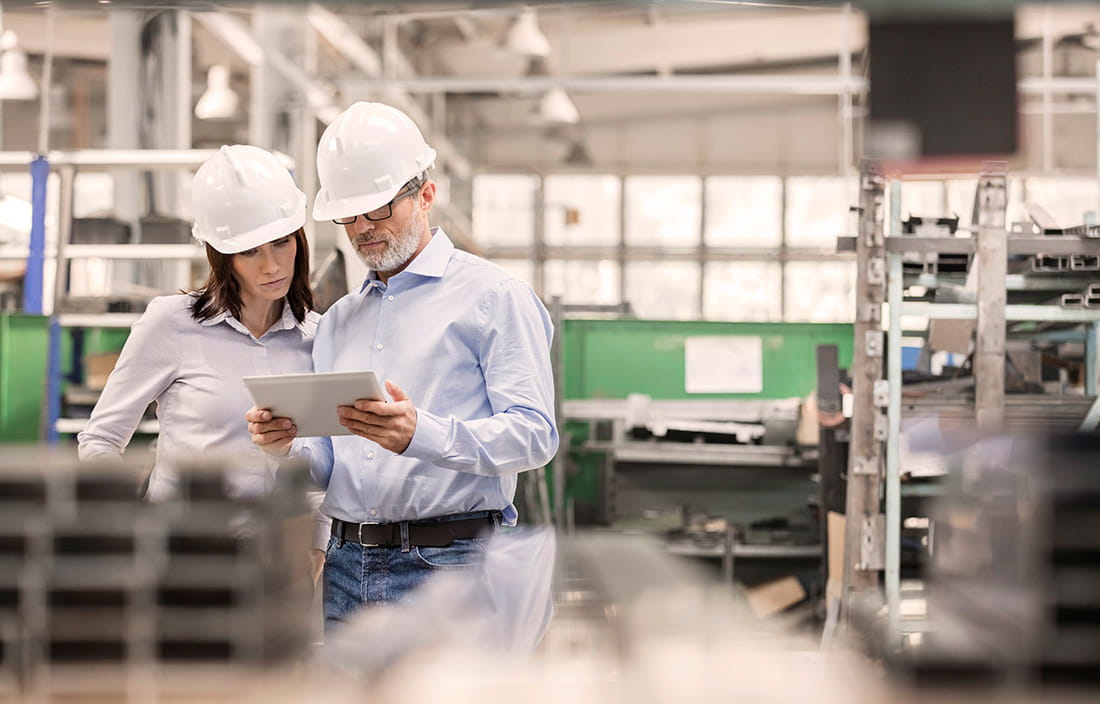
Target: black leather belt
[(437, 534)]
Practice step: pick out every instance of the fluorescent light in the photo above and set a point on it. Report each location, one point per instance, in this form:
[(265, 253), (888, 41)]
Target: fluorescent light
[(15, 82), (525, 38), (556, 107), (219, 102)]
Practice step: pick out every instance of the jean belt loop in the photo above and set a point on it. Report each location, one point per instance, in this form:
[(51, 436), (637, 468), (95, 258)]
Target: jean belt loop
[(339, 532), (405, 547), (497, 515)]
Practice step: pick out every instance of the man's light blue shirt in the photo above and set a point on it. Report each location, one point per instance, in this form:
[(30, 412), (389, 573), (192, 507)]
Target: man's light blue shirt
[(470, 345)]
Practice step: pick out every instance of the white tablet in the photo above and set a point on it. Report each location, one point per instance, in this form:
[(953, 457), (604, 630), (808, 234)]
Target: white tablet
[(310, 400)]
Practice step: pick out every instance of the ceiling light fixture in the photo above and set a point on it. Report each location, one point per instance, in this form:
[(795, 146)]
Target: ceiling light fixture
[(1091, 38), (525, 38), (219, 102), (556, 107), (15, 82)]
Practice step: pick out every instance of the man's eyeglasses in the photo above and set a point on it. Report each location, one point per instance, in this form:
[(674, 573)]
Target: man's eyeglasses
[(385, 211)]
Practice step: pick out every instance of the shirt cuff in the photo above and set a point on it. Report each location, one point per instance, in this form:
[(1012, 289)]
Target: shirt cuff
[(301, 449), (430, 437)]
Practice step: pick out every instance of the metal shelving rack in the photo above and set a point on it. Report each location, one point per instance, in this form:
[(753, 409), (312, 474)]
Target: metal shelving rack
[(36, 299), (993, 244), (618, 449)]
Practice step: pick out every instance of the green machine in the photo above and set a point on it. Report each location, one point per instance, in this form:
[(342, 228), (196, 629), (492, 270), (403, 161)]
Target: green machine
[(614, 358), (24, 353), (24, 368)]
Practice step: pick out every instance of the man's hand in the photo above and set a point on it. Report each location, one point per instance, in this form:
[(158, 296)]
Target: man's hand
[(272, 435), (391, 425)]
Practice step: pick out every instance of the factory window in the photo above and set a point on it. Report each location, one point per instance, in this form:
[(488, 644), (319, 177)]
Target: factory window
[(743, 211), (582, 210), (521, 268), (504, 210), (663, 211), (742, 291), (819, 292), (924, 199), (663, 290), (588, 281), (817, 209), (1067, 200)]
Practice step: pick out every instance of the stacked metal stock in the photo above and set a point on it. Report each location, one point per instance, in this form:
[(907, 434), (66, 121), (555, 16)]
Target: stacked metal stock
[(94, 578), (1014, 591)]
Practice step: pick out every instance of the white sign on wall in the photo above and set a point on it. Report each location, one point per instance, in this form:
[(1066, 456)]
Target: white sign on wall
[(723, 364)]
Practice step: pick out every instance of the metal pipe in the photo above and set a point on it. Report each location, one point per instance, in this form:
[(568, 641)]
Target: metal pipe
[(92, 159), (44, 91), (183, 81), (1012, 312), (800, 84), (1091, 350), (1048, 72), (742, 84), (845, 162), (66, 199), (557, 357)]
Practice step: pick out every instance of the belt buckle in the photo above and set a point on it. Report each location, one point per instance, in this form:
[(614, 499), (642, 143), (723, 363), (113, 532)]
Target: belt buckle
[(360, 529)]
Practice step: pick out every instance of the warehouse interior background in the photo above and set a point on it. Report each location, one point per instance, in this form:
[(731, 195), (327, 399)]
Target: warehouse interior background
[(743, 122), (704, 193)]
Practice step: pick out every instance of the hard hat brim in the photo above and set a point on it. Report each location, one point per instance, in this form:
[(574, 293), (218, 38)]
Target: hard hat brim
[(261, 235), (325, 208)]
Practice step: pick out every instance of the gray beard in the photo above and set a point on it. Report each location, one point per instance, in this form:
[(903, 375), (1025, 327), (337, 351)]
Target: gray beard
[(398, 251)]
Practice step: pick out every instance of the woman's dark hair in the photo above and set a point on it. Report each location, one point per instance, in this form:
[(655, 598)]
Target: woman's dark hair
[(222, 293)]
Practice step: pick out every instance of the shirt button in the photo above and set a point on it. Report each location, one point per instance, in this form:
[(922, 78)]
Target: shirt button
[(389, 298), (370, 455), (374, 512), (379, 345)]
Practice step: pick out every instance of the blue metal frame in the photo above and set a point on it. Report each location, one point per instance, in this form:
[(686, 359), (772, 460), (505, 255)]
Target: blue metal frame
[(53, 382), (34, 294), (34, 280)]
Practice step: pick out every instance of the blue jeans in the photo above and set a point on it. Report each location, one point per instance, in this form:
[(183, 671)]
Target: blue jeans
[(356, 576)]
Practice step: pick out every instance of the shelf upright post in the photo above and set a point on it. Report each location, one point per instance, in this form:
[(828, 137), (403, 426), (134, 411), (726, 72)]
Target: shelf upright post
[(892, 573), (863, 535), (557, 354), (989, 353)]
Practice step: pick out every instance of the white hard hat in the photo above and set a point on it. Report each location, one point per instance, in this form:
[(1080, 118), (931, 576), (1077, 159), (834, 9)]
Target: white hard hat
[(243, 197), (364, 158)]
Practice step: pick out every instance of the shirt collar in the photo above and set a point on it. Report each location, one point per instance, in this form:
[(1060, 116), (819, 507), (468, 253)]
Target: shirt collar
[(432, 260), (286, 322)]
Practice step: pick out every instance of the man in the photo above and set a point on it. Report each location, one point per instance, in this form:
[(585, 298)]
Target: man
[(464, 347)]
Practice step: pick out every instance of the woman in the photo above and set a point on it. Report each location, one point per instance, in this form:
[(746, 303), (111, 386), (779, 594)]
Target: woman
[(254, 316)]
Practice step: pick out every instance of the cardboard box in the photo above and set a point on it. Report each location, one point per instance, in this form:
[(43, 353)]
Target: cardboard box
[(97, 367), (773, 597)]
